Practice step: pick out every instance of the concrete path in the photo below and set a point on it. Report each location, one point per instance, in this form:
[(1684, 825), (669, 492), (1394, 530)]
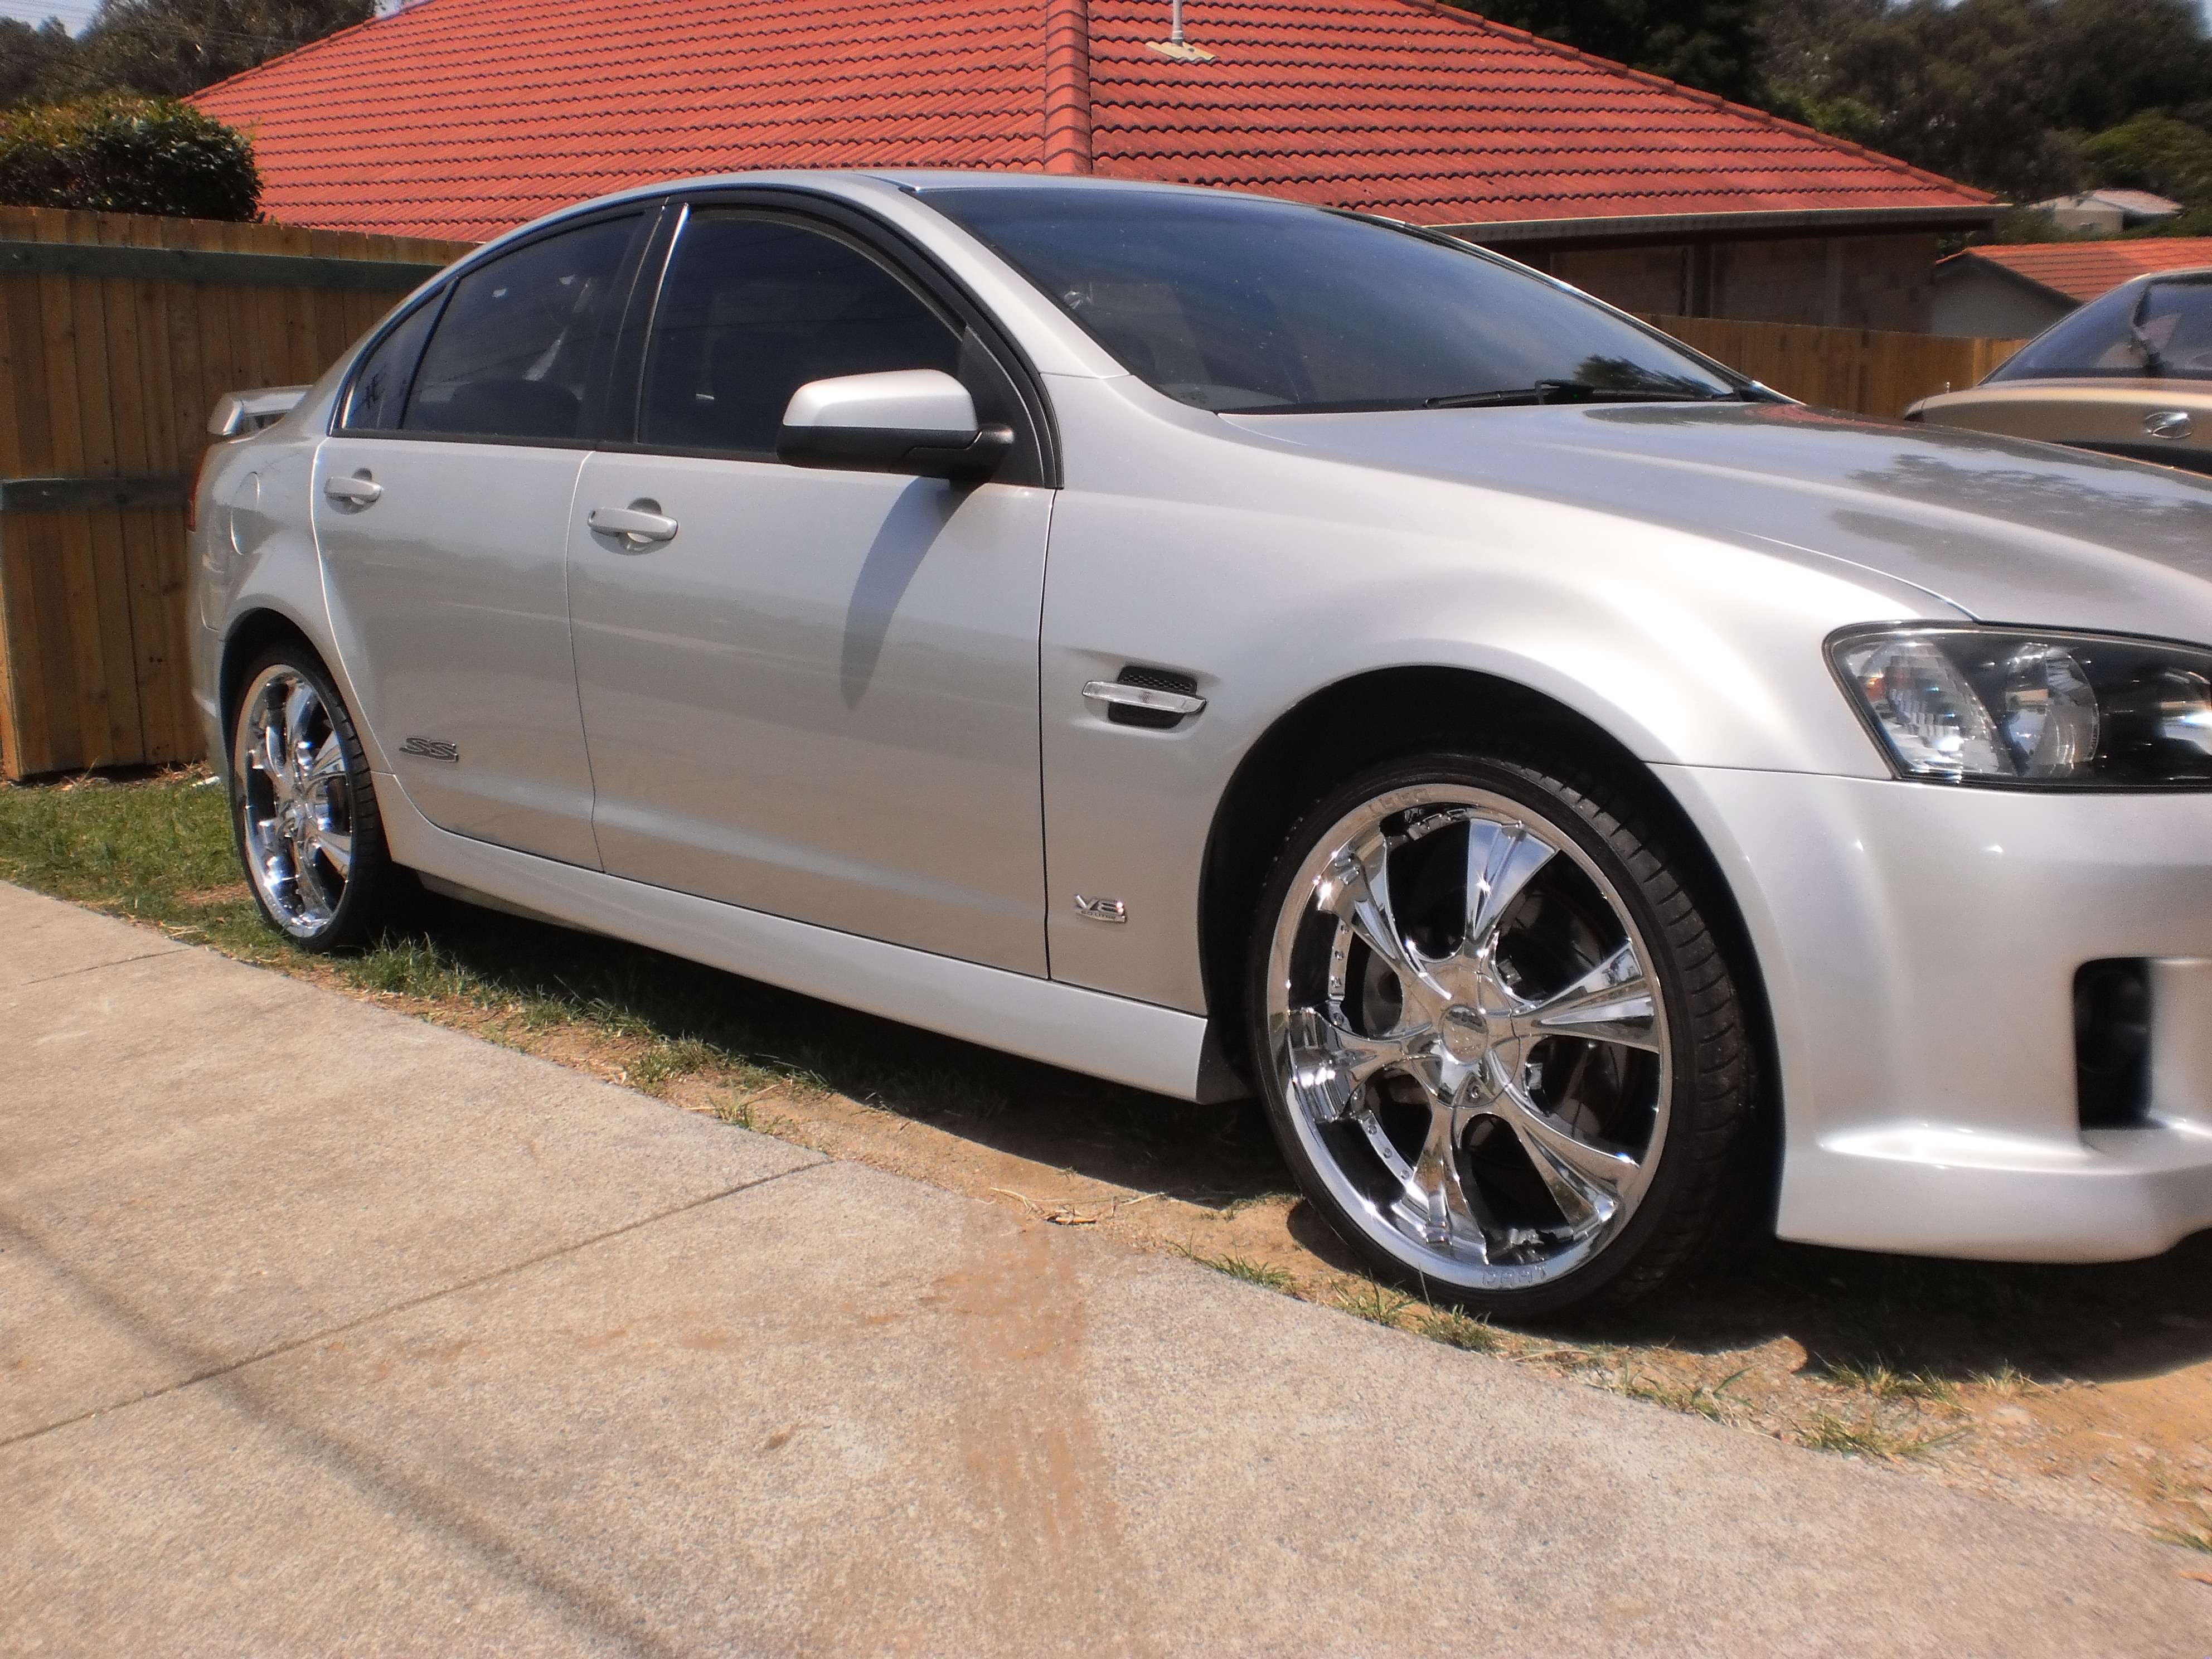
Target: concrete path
[(325, 1331)]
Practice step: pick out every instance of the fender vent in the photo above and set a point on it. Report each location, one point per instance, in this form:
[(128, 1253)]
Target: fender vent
[(1152, 679)]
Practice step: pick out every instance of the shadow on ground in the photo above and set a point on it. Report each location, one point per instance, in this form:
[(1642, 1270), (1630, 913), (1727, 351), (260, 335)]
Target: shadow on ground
[(1951, 1320), (1215, 1155)]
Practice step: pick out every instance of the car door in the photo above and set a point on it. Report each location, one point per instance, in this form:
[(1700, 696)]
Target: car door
[(818, 697), (441, 509)]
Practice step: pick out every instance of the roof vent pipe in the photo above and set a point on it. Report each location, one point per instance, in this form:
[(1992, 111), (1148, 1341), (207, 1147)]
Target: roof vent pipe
[(1067, 85), (1174, 46)]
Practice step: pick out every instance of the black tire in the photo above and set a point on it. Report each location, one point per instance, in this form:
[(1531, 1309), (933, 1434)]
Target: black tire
[(297, 798), (1463, 1168)]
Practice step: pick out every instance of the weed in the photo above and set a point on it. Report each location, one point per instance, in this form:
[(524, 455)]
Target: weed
[(745, 1112), (1712, 1402), (417, 968), (2190, 1535), (1365, 1299), (1876, 1379), (1871, 1437), (1458, 1329), (2004, 1380), (666, 1061), (1265, 1274)]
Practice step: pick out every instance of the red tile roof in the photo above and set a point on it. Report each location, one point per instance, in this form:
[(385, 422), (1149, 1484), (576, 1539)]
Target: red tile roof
[(459, 118), (2080, 271)]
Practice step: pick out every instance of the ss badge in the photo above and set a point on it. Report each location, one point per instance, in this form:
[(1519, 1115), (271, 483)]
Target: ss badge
[(431, 749)]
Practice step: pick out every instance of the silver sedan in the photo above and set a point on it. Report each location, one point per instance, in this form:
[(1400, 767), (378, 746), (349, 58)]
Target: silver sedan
[(1232, 646)]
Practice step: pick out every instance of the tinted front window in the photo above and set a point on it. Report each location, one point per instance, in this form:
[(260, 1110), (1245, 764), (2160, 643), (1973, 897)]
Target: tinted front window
[(379, 392), (514, 353), (752, 310), (2161, 329), (1234, 303)]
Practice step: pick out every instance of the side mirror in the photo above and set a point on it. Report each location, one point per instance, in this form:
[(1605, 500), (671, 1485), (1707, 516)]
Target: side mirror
[(920, 421)]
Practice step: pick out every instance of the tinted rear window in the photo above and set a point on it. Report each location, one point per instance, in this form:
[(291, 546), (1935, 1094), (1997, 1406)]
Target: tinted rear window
[(2161, 329)]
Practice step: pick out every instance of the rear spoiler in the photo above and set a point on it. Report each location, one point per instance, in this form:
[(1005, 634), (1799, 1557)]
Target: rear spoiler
[(238, 413)]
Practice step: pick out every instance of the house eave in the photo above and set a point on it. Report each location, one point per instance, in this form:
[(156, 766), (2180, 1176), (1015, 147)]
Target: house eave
[(1662, 228)]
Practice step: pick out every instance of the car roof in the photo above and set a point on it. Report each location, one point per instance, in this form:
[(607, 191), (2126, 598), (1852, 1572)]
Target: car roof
[(856, 185)]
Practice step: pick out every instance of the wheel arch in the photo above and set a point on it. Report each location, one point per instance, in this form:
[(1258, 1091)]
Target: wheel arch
[(1374, 716), (250, 634)]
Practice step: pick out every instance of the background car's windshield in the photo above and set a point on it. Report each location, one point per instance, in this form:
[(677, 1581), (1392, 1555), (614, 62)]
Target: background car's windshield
[(2161, 329), (1233, 302)]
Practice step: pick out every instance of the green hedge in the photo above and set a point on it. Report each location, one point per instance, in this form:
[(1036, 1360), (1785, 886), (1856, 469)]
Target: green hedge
[(127, 155)]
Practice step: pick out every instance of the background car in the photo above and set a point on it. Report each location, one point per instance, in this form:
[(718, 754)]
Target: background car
[(2130, 374), (1230, 646)]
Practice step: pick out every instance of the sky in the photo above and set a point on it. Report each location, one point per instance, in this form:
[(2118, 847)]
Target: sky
[(76, 14)]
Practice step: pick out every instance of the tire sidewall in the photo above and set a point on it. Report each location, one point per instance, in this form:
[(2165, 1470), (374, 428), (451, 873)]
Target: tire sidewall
[(1527, 784)]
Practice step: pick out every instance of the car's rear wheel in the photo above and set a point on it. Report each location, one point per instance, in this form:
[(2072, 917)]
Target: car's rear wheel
[(1501, 1048), (303, 807)]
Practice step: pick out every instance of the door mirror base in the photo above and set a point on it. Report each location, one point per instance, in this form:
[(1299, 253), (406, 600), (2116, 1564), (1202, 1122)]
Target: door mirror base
[(917, 421), (917, 451)]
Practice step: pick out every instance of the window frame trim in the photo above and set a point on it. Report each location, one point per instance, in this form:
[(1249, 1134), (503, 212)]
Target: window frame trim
[(843, 221), (433, 301), (650, 213)]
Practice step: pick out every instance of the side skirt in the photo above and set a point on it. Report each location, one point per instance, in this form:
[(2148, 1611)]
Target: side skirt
[(1139, 1043)]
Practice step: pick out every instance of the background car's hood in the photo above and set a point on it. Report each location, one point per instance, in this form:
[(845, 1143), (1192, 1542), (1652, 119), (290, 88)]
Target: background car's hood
[(2002, 529)]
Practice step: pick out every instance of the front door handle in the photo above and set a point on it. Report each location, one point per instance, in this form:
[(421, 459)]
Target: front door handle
[(359, 490), (636, 525)]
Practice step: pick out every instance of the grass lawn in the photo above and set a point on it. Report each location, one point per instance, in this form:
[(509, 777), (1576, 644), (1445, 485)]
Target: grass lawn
[(2021, 1378)]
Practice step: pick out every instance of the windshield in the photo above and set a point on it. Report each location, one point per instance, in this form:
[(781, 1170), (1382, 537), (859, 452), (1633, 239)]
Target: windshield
[(1236, 303), (2161, 329)]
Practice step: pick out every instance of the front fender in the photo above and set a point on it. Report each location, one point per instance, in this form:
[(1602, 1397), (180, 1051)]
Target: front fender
[(1269, 577)]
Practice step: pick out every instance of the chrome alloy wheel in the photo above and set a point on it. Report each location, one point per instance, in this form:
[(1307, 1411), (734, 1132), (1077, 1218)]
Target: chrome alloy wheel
[(1462, 1024), (296, 814)]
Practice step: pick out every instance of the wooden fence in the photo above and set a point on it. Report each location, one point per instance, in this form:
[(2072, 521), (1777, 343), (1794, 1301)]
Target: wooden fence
[(117, 333), (1866, 371)]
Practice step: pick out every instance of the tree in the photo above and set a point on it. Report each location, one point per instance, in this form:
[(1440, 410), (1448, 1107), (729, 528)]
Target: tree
[(35, 64), (2157, 152), (127, 155), (1995, 93), (161, 48), (1712, 44), (168, 48)]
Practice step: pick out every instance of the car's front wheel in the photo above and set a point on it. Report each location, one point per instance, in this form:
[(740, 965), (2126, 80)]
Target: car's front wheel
[(1501, 1048), (303, 806)]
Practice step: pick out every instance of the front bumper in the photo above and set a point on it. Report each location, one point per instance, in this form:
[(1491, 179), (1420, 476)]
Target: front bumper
[(1917, 944)]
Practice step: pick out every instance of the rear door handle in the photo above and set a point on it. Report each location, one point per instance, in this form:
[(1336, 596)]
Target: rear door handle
[(360, 490), (639, 529)]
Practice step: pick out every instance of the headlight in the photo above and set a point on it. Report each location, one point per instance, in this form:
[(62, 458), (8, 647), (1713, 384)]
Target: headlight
[(2009, 705)]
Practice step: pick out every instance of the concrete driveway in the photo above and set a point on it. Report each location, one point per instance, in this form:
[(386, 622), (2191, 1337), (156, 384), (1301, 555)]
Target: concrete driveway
[(326, 1331)]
